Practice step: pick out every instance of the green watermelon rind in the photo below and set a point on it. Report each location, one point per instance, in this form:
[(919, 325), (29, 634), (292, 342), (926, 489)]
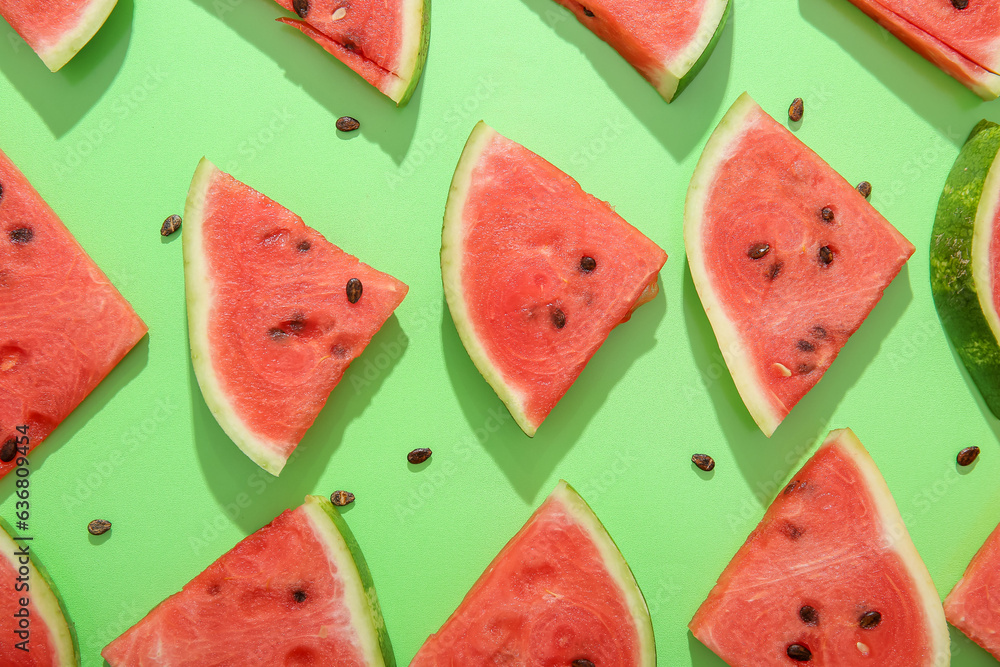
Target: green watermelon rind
[(44, 596), (359, 588), (616, 565), (751, 387), (199, 293), (673, 82), (452, 244), (70, 43), (423, 20), (959, 260)]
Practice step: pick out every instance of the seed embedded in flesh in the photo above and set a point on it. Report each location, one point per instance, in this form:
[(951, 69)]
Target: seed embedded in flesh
[(98, 526), (558, 318), (704, 462), (865, 188), (170, 225), (758, 250), (277, 334), (347, 124), (419, 455), (781, 369), (825, 255), (588, 264), (1, 191), (9, 450), (589, 14), (304, 246), (795, 110), (869, 620), (301, 7), (341, 498), (793, 531), (21, 235), (582, 663), (775, 270), (827, 214), (960, 4), (818, 332), (799, 653), (968, 456), (805, 346), (299, 595), (808, 615), (339, 13), (354, 290), (793, 486)]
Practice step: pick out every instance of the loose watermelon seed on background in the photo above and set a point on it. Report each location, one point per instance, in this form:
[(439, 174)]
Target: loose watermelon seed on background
[(973, 606), (276, 313), (56, 31), (536, 272), (787, 257)]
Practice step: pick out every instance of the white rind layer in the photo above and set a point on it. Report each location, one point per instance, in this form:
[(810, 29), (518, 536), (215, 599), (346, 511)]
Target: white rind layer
[(59, 53), (982, 238), (416, 22), (677, 67)]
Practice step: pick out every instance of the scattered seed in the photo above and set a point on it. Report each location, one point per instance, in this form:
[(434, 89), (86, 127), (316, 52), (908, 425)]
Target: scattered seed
[(825, 255), (339, 13), (818, 332), (960, 4), (21, 235), (419, 455), (865, 188), (809, 615), (805, 346), (863, 648), (966, 457), (304, 246), (347, 124), (170, 225), (758, 250), (588, 264), (558, 318), (9, 450), (581, 662), (341, 498), (799, 653), (99, 526), (301, 7), (354, 290), (795, 110), (775, 270), (704, 462), (299, 595), (827, 214), (869, 620)]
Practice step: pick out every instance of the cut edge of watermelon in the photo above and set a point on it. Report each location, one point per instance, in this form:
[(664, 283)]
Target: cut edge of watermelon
[(70, 43), (416, 41), (680, 70), (616, 565), (360, 598), (760, 404), (982, 238), (199, 293), (452, 243), (49, 606), (896, 537)]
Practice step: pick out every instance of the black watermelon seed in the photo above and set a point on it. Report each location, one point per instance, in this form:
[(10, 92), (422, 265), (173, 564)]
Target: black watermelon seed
[(419, 455), (960, 4), (808, 615), (805, 346), (297, 324), (869, 620), (304, 246), (582, 662), (758, 250), (1, 191), (775, 270), (825, 255), (558, 318), (347, 124), (21, 235), (704, 462), (792, 531), (588, 13), (98, 526), (301, 7), (349, 45), (796, 109), (865, 188), (299, 595), (341, 498), (966, 457), (9, 450), (793, 486), (588, 264), (799, 653), (827, 214), (277, 334), (170, 225), (818, 332), (354, 290)]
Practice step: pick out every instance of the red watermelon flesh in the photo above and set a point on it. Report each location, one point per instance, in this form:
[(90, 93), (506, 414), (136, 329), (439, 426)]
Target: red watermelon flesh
[(781, 318), (271, 325), (56, 31), (63, 325), (559, 591), (983, 82), (830, 551), (296, 593), (516, 232), (973, 606)]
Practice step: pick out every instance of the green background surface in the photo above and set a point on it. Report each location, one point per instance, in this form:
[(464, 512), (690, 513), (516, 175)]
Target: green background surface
[(112, 142)]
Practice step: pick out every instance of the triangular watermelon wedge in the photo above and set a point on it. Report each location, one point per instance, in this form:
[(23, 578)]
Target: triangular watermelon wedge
[(56, 31), (272, 313), (557, 593), (973, 606), (536, 272), (63, 325), (296, 592), (787, 257), (667, 41), (385, 41), (829, 577)]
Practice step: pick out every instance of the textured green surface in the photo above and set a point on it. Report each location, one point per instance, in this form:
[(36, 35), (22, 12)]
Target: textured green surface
[(112, 140), (955, 292)]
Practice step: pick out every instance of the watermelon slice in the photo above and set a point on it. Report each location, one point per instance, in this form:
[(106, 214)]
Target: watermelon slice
[(788, 258), (965, 43), (667, 41), (830, 576), (536, 272), (276, 313), (63, 326), (968, 302), (385, 41), (296, 592), (973, 606), (559, 592), (56, 31), (49, 640)]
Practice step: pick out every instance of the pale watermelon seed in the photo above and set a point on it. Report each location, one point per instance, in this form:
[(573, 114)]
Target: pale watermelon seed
[(558, 318), (863, 648), (21, 235), (808, 615), (588, 264), (301, 7), (339, 13), (354, 290), (960, 4), (826, 255), (869, 620), (758, 250), (799, 652), (8, 450), (781, 369)]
